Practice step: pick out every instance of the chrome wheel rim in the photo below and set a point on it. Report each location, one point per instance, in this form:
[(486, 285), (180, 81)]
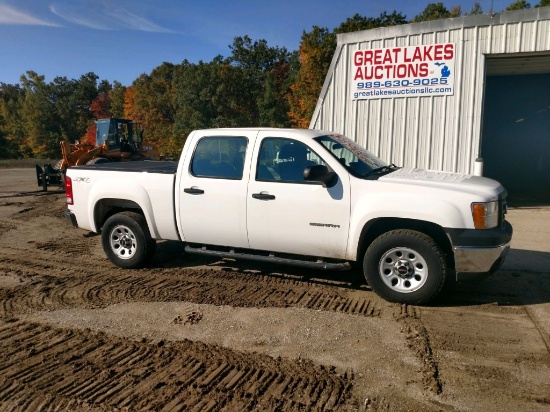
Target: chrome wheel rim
[(403, 270), (123, 242)]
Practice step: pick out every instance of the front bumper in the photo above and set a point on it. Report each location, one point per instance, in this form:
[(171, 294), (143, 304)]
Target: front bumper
[(478, 253)]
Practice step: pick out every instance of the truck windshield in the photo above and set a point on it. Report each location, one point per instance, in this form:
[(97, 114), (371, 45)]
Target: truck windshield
[(356, 159)]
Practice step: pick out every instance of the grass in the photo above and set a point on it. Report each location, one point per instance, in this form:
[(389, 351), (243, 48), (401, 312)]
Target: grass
[(24, 163)]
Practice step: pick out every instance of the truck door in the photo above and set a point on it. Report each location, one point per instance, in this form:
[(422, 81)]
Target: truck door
[(288, 214), (212, 191)]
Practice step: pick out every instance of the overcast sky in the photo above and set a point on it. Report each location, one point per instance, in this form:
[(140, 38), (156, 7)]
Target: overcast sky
[(121, 39)]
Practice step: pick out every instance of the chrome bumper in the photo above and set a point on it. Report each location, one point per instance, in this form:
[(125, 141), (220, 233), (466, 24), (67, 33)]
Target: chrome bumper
[(476, 262)]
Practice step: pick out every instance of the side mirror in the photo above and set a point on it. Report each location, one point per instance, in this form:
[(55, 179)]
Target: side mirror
[(319, 173)]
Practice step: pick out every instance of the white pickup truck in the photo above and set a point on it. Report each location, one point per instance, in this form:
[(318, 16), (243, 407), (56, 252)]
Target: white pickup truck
[(301, 197)]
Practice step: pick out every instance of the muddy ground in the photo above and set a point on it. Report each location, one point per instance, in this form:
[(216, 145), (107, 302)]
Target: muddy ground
[(188, 333)]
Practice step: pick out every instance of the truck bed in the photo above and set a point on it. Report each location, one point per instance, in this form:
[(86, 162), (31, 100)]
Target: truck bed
[(145, 166)]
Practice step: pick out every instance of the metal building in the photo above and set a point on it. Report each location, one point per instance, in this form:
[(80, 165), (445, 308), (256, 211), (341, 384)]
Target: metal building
[(441, 94)]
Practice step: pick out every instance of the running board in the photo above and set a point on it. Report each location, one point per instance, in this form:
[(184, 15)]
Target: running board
[(231, 254)]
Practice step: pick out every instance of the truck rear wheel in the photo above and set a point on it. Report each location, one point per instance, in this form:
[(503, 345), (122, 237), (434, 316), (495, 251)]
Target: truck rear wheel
[(126, 240), (405, 266)]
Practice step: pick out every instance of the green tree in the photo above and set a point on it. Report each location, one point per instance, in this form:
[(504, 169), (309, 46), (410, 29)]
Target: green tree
[(433, 11), (51, 112), (12, 133), (267, 73), (519, 5), (86, 90), (104, 87), (476, 9), (543, 3), (194, 86), (72, 99), (153, 104), (233, 103), (248, 88), (116, 95), (358, 22), (38, 116), (273, 105)]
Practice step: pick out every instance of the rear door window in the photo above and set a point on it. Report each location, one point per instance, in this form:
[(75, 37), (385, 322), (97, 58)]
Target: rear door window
[(219, 157)]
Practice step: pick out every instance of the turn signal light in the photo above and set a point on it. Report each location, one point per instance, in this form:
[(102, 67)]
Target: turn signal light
[(485, 215)]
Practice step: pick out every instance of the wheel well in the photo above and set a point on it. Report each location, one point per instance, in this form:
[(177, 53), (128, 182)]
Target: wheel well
[(105, 208), (375, 228)]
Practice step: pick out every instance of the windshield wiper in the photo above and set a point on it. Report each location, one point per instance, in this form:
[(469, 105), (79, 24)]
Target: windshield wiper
[(380, 171)]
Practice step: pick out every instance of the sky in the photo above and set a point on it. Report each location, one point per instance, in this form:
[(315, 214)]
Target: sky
[(122, 39)]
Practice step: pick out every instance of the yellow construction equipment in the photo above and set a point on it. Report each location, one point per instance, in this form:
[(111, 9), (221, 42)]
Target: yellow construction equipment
[(115, 140)]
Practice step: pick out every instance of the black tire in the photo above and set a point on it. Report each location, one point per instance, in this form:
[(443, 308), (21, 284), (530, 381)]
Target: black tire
[(126, 240), (405, 266), (98, 160)]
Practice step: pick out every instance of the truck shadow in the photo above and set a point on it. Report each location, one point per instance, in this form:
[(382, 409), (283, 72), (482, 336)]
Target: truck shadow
[(171, 255), (524, 278)]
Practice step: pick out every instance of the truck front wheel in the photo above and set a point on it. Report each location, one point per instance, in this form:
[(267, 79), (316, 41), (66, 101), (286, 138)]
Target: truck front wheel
[(405, 266), (126, 240)]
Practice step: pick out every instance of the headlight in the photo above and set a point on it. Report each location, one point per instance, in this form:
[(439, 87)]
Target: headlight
[(485, 215)]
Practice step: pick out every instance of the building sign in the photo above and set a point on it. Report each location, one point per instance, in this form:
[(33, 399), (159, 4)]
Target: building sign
[(403, 71)]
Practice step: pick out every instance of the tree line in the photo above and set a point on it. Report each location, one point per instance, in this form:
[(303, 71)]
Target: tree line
[(256, 85)]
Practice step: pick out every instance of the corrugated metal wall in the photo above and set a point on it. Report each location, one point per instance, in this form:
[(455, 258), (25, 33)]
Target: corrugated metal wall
[(436, 132)]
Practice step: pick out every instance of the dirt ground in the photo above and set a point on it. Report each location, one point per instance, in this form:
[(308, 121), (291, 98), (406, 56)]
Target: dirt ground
[(188, 333)]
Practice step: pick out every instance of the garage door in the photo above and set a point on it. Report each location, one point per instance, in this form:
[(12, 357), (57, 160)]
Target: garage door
[(516, 126)]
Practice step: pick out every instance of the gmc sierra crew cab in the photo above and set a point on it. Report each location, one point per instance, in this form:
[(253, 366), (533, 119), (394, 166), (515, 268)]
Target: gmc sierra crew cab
[(301, 197)]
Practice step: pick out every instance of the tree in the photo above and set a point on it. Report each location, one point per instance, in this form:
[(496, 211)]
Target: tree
[(12, 133), (433, 11), (316, 51), (476, 9), (194, 86), (116, 95), (100, 107), (38, 116), (519, 5), (543, 3), (153, 104), (255, 57), (267, 73), (129, 106), (358, 22), (51, 112), (104, 87), (85, 90), (456, 11), (273, 105), (72, 99)]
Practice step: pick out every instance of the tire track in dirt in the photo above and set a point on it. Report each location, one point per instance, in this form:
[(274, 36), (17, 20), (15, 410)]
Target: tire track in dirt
[(418, 340), (51, 284), (50, 368), (6, 226)]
